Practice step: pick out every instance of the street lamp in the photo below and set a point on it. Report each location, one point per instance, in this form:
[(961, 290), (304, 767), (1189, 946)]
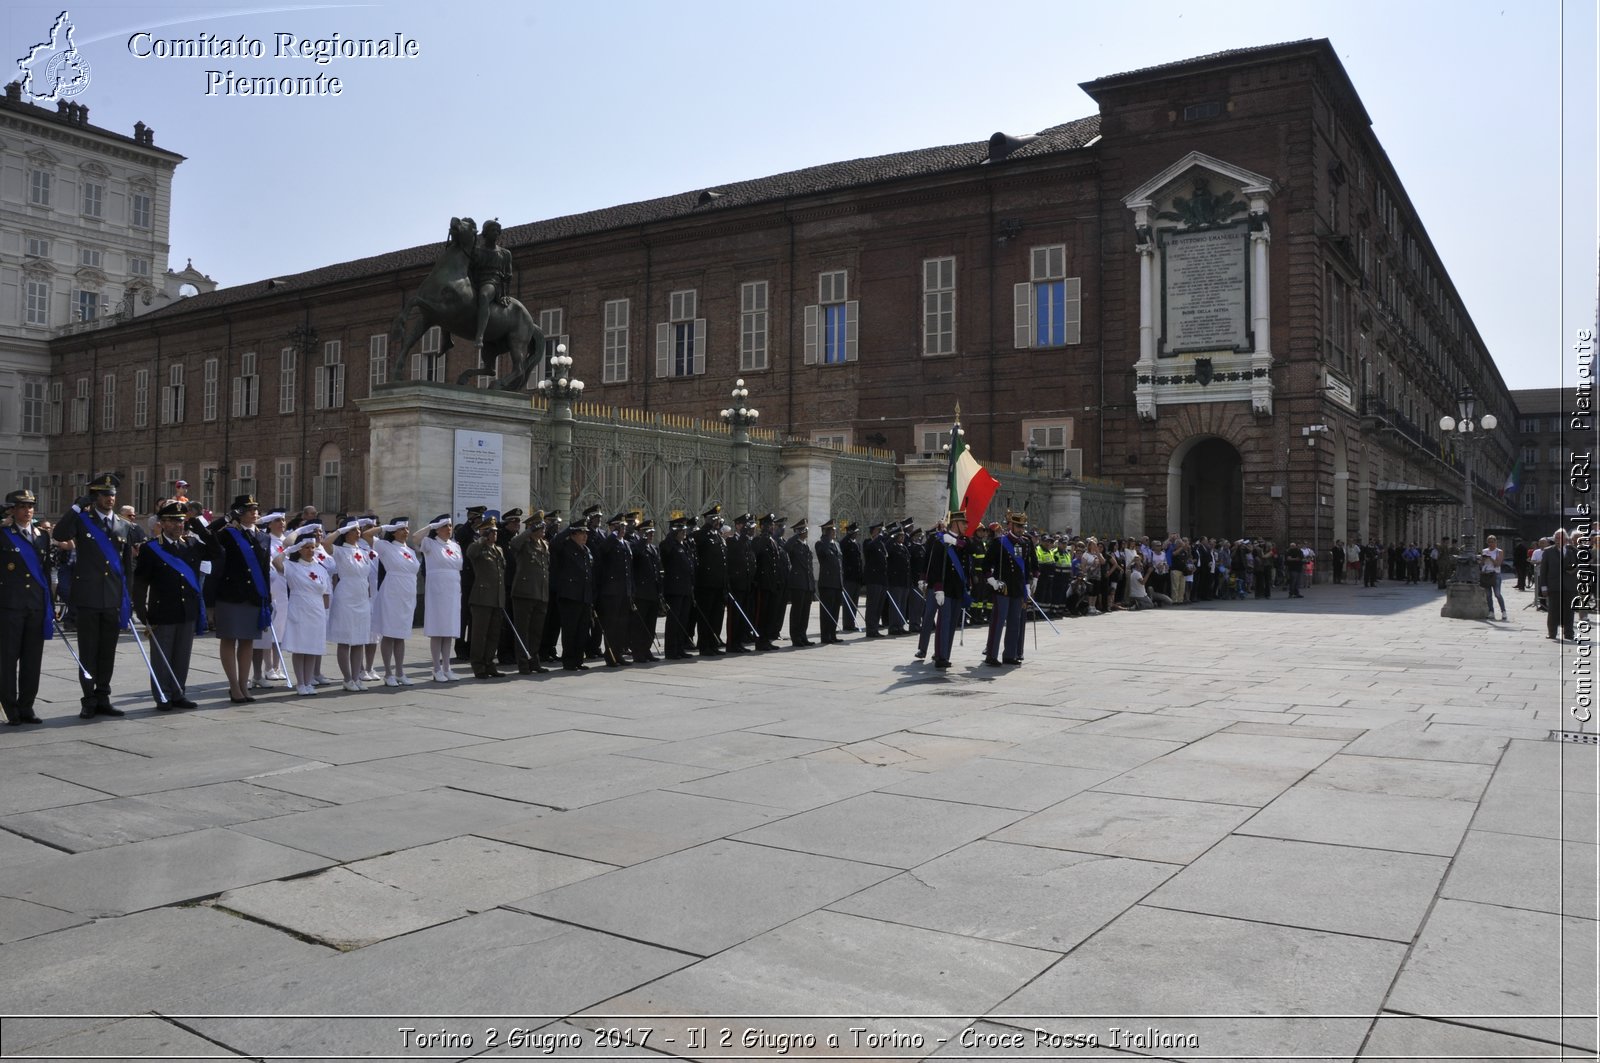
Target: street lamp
[(561, 385), (1311, 432), (1464, 599), (739, 416)]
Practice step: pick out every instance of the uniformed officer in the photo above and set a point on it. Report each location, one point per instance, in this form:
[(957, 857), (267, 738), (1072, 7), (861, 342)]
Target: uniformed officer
[(742, 584), (946, 586), (830, 582), (510, 527), (1011, 568), (613, 564), (875, 575), (711, 580), (572, 585), (487, 563), (529, 557), (802, 584), (167, 601), (646, 590), (771, 589), (851, 561), (899, 587), (102, 543), (677, 585), (464, 536), (26, 608)]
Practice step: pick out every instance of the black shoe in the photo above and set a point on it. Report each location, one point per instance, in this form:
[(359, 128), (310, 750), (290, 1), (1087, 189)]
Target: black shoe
[(31, 718), (941, 664), (711, 653), (1011, 660), (184, 703), (574, 668), (874, 635), (109, 710), (990, 662), (920, 654), (645, 659), (735, 649), (15, 721), (764, 645), (802, 642), (494, 673)]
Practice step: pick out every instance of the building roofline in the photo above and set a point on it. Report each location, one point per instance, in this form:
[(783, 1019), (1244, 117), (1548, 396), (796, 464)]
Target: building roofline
[(57, 119)]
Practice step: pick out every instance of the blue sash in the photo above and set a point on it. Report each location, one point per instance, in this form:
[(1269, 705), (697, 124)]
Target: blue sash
[(1011, 548), (188, 577), (257, 578), (955, 561), (91, 524), (30, 558)]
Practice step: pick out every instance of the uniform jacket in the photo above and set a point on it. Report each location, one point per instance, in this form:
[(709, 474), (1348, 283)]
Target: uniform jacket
[(160, 593), (850, 554), (530, 561), (941, 574), (768, 577), (741, 563), (802, 577), (570, 572), (613, 565), (1004, 567), (94, 584), (899, 565), (830, 564), (230, 576), (677, 568), (19, 591), (646, 570), (875, 561), (488, 564), (711, 559)]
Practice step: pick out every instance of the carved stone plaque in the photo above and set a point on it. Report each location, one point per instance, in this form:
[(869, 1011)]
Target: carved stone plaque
[(1205, 288)]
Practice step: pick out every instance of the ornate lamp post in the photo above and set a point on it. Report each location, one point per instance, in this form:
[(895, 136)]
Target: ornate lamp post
[(740, 418), (1033, 462), (1464, 598), (562, 388)]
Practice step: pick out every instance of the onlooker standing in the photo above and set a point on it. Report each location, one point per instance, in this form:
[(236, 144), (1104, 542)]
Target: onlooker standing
[(1558, 570), (1493, 559)]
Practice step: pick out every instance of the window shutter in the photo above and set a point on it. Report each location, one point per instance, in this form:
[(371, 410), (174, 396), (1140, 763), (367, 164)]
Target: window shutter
[(338, 386), (813, 330), (664, 349), (1022, 300), (321, 400), (416, 366), (238, 397), (1073, 314), (699, 346), (851, 311)]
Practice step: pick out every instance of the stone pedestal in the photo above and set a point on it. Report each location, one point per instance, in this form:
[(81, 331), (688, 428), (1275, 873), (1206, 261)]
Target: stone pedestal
[(927, 491), (411, 457), (805, 485), (1464, 601)]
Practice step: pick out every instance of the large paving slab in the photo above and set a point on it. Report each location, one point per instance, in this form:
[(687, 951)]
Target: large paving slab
[(1003, 783), (708, 898), (883, 829), (1522, 871), (795, 785), (1378, 821), (476, 873), (339, 908), (367, 828), (1141, 828)]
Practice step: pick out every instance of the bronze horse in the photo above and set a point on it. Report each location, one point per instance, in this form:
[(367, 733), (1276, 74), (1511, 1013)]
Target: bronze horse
[(446, 299)]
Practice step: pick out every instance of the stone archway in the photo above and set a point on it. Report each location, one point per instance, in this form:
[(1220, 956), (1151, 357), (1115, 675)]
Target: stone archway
[(1205, 489)]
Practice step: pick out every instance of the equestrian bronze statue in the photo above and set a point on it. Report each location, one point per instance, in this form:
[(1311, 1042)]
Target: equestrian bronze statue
[(466, 295)]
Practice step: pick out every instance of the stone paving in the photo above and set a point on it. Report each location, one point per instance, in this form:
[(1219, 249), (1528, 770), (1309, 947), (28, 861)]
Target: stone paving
[(1330, 828)]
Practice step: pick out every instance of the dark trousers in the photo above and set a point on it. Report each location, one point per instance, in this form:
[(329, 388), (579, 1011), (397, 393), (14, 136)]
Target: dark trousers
[(1005, 629), (21, 656), (876, 595), (741, 620), (928, 618), (97, 648), (895, 615), (1558, 612), (916, 603), (615, 611), (852, 605), (642, 627), (528, 615), (831, 602), (680, 624), (946, 614), (799, 615), (709, 603), (171, 647), (552, 631), (771, 603), (574, 631), (485, 637)]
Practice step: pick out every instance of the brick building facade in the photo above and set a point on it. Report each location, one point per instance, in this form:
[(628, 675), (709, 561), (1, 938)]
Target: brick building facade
[(1024, 277)]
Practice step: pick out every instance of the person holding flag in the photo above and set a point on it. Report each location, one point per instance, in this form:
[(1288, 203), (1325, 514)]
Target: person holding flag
[(102, 544)]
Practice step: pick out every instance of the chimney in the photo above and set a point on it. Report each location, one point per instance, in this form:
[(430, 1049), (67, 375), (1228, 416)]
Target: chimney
[(14, 92)]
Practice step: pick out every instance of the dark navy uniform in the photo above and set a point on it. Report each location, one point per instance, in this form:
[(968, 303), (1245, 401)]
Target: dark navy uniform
[(25, 606), (677, 586), (711, 581), (169, 605), (771, 589), (571, 584), (830, 583), (613, 564), (99, 588), (802, 585), (1011, 565), (646, 592), (851, 562), (898, 614), (741, 585), (875, 575)]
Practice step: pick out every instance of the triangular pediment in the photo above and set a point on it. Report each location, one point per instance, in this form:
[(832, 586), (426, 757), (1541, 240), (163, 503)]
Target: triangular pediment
[(1248, 182)]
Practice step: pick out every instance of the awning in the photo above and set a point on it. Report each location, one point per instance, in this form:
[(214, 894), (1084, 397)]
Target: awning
[(1412, 495)]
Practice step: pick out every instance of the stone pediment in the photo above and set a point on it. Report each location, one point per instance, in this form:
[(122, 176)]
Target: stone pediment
[(1178, 178)]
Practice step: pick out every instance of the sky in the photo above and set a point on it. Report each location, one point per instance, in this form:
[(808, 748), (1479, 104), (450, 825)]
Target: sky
[(536, 109)]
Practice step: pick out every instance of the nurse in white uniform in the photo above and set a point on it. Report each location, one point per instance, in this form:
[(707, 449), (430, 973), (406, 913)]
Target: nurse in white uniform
[(304, 627), (441, 612), (350, 619), (396, 603)]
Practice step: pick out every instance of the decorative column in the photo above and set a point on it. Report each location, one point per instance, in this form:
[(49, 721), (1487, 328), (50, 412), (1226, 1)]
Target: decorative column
[(562, 388), (739, 418), (1145, 371), (1260, 307)]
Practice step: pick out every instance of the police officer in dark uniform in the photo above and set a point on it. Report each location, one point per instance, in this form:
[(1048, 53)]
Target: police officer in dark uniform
[(830, 582), (802, 584), (919, 565), (167, 601), (572, 585), (102, 543), (741, 584), (646, 590), (851, 562), (510, 528), (875, 574), (465, 534), (677, 585), (553, 534), (899, 580), (771, 589), (613, 562), (711, 580), (26, 608)]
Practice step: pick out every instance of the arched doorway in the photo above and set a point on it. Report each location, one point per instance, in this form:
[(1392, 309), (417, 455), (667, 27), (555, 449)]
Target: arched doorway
[(1205, 489)]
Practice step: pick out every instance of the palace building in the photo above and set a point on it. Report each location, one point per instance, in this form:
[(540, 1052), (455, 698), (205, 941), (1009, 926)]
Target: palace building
[(1214, 289)]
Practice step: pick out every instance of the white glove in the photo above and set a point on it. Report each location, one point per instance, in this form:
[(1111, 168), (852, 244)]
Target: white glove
[(922, 586), (996, 584), (1033, 585), (938, 597)]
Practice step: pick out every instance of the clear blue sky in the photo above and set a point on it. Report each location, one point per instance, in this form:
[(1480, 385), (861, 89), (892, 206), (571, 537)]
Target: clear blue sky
[(540, 109)]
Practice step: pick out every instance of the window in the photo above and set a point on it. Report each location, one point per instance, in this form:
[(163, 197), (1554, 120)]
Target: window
[(428, 363), (553, 323), (36, 310), (80, 407), (1530, 457), (330, 377), (108, 403), (753, 326), (39, 182), (141, 491), (931, 439), (55, 412), (247, 387), (34, 390), (172, 397), (286, 360), (836, 440), (94, 199), (1530, 498), (1556, 458), (139, 267), (141, 398), (210, 489), (377, 362), (174, 474), (140, 210), (245, 482), (38, 247), (285, 482), (615, 363), (208, 391), (681, 342), (939, 306), (89, 256), (328, 487), (831, 325), (1049, 306), (1196, 112), (1050, 441), (1337, 330), (88, 305)]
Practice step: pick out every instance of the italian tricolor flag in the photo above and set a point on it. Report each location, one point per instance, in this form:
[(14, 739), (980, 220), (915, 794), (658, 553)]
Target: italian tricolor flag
[(971, 486)]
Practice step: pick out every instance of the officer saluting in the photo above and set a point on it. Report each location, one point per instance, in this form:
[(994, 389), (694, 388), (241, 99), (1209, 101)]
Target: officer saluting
[(167, 600), (102, 543), (25, 608)]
